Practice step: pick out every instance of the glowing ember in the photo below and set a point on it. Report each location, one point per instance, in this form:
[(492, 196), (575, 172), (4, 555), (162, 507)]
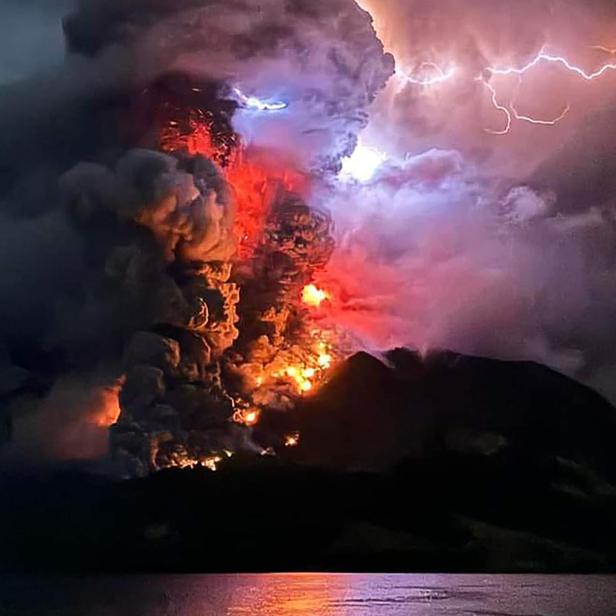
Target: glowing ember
[(303, 368), (195, 135), (302, 377), (313, 296), (211, 462), (291, 440), (247, 417)]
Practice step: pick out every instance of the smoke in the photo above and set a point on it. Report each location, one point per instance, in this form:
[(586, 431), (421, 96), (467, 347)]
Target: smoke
[(119, 259), (499, 245), (412, 118), (323, 61), (70, 423)]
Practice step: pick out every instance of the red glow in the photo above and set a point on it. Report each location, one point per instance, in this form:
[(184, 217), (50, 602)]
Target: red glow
[(255, 178), (256, 183), (313, 296)]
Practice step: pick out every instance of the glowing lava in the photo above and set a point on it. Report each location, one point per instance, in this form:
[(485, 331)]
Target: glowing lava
[(291, 440), (304, 369), (313, 296), (253, 179), (247, 417)]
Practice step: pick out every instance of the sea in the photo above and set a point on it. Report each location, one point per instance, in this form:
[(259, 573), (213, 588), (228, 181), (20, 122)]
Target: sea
[(310, 594)]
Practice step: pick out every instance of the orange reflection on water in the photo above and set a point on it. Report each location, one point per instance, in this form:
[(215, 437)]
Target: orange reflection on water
[(296, 594)]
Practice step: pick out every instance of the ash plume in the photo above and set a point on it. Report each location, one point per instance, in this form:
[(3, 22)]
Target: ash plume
[(169, 192), (145, 275)]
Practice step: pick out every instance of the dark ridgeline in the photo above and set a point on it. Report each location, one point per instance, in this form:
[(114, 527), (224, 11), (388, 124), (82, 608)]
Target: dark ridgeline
[(442, 463)]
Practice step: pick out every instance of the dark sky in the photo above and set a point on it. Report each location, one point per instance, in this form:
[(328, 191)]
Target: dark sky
[(22, 54)]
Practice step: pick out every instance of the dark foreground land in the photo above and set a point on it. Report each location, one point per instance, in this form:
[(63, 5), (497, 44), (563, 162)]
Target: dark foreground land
[(443, 463)]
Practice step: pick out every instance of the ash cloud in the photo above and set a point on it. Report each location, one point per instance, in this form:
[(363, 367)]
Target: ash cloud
[(472, 37), (323, 60), (114, 252), (70, 423), (494, 245)]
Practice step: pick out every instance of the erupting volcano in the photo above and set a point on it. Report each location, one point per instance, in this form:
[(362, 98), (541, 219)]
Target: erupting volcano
[(247, 342), (271, 266), (268, 188), (204, 235)]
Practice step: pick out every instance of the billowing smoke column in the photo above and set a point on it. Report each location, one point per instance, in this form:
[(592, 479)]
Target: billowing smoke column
[(243, 192), (193, 212)]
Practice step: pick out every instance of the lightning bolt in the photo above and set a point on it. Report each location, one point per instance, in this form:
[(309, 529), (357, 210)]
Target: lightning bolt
[(608, 50), (431, 74), (498, 107), (439, 75), (256, 104), (542, 56), (531, 120), (511, 112)]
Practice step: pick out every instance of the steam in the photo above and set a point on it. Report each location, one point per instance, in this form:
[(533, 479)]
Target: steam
[(495, 245)]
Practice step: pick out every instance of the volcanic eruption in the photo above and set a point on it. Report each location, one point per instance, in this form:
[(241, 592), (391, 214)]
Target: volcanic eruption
[(201, 241), (264, 191)]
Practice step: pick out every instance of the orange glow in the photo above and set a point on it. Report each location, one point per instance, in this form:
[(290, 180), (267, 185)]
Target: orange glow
[(256, 184), (254, 179), (303, 368), (247, 417), (195, 137), (291, 440), (313, 296), (211, 462), (108, 405)]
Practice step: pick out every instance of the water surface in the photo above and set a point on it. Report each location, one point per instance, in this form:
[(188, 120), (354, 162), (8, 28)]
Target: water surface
[(310, 594)]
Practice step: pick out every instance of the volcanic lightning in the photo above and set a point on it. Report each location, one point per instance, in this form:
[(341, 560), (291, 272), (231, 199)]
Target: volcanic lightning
[(427, 74), (542, 56), (512, 112), (362, 165), (254, 103)]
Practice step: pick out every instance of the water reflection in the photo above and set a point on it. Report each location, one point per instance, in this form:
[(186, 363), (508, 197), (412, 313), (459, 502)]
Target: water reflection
[(312, 594), (288, 595)]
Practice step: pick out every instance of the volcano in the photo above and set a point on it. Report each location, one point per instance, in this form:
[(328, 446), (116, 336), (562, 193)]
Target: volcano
[(236, 236)]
